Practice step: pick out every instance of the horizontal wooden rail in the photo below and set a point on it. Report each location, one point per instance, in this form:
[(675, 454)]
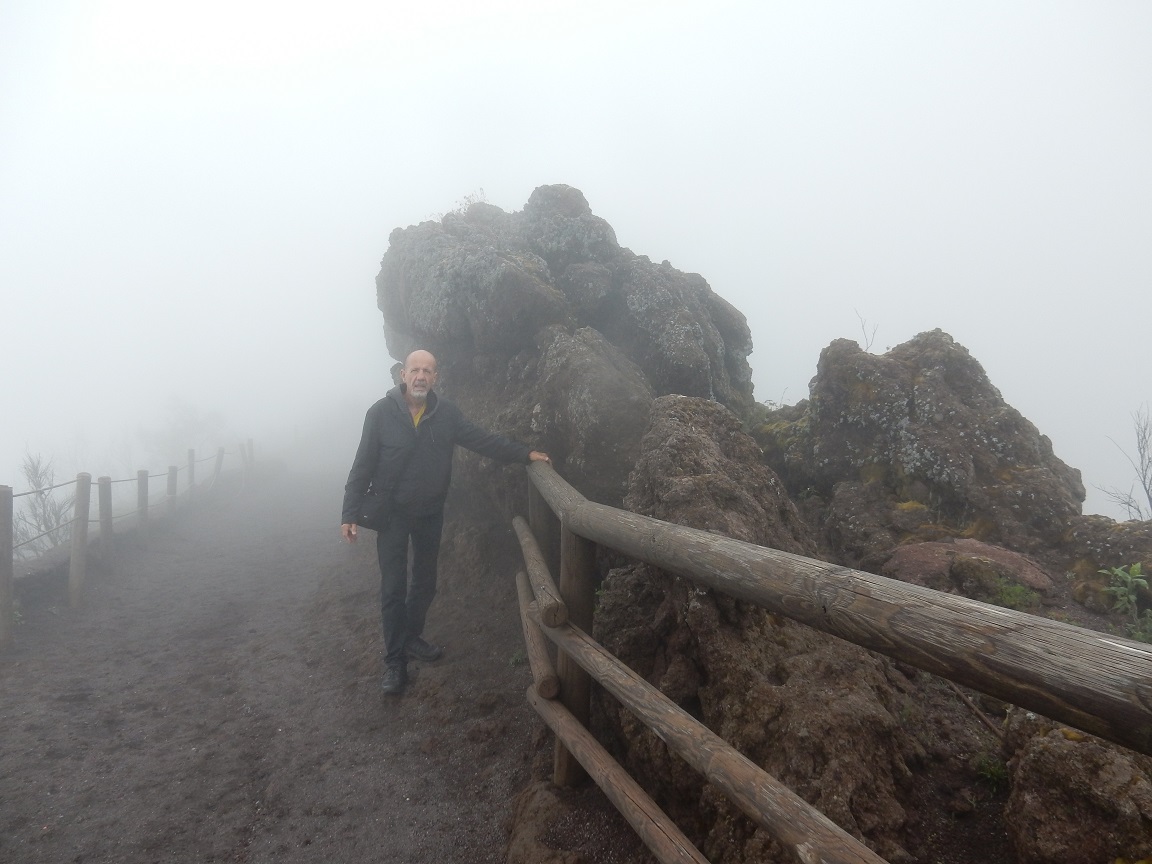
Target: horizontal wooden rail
[(811, 836), (552, 608), (1093, 681)]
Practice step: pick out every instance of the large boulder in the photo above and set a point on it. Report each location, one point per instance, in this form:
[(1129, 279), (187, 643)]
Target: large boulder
[(548, 330), (818, 713), (973, 569), (924, 428), (1075, 799)]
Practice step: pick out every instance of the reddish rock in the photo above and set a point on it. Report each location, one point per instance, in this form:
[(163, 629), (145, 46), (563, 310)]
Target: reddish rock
[(967, 567)]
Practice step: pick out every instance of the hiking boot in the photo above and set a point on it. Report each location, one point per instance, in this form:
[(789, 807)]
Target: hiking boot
[(395, 678), (418, 649)]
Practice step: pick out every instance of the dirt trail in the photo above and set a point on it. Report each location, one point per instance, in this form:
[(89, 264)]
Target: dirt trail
[(216, 699)]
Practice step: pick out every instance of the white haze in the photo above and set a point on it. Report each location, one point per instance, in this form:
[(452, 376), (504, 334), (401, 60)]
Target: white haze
[(194, 198)]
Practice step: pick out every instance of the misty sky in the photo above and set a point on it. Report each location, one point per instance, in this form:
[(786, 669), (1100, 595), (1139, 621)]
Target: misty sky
[(194, 198)]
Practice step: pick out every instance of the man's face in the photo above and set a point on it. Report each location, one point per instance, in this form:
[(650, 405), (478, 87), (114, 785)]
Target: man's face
[(419, 374)]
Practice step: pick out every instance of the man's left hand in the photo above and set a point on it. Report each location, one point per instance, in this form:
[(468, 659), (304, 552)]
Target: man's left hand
[(537, 456)]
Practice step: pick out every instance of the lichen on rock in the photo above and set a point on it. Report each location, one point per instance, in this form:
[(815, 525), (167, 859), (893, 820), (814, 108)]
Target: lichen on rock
[(922, 423)]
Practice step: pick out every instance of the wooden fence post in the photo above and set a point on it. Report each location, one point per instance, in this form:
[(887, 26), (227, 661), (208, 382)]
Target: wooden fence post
[(171, 507), (7, 605), (79, 563), (545, 528), (142, 497), (577, 590), (104, 500), (251, 454), (191, 472), (219, 465)]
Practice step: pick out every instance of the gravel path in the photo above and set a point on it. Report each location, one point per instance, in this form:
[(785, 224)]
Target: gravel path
[(216, 699)]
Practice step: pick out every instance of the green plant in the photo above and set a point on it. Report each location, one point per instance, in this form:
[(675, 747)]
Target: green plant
[(992, 771), (1127, 583), (1141, 630), (518, 658)]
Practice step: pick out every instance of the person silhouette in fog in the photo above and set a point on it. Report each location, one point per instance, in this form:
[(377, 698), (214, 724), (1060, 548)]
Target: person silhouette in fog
[(397, 486)]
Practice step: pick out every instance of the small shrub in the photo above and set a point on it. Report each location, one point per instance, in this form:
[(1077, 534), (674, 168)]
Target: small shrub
[(46, 521), (992, 771), (1141, 629), (1127, 583), (518, 658)]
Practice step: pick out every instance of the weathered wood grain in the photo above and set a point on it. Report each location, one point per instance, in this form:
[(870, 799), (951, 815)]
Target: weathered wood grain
[(552, 608), (544, 676), (811, 836), (1093, 681), (658, 832)]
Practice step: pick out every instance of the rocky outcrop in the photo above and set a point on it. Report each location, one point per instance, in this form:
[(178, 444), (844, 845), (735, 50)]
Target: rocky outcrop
[(698, 467), (552, 331), (634, 376), (971, 568), (816, 712), (1075, 799), (919, 442)]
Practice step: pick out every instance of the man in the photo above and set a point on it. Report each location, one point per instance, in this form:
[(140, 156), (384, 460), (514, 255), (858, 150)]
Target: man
[(397, 485)]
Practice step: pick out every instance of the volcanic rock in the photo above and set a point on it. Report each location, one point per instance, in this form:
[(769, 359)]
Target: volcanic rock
[(816, 712), (926, 430), (549, 331)]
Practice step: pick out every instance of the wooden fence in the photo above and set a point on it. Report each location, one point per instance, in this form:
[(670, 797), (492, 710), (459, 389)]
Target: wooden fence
[(1093, 681), (78, 543)]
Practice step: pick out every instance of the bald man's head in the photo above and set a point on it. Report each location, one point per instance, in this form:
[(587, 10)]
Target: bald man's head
[(419, 375)]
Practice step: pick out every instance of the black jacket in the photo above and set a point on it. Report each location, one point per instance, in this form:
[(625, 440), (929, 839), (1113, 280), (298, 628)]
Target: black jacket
[(411, 466)]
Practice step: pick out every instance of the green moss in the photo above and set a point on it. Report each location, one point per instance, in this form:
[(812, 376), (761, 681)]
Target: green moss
[(1084, 568), (908, 506), (779, 436), (979, 529), (1013, 596), (862, 391)]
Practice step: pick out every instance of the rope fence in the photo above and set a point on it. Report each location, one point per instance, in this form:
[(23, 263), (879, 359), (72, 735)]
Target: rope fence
[(76, 528), (45, 489), (59, 527)]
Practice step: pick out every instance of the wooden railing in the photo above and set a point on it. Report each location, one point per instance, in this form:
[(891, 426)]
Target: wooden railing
[(78, 541), (1096, 682)]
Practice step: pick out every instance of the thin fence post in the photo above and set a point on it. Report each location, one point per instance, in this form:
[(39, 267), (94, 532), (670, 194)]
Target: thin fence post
[(251, 454), (191, 472), (171, 508), (545, 527), (7, 604), (104, 500), (142, 497), (219, 465), (79, 563), (578, 591)]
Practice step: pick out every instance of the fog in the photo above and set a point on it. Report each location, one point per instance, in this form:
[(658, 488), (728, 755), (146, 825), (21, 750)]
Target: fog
[(194, 200)]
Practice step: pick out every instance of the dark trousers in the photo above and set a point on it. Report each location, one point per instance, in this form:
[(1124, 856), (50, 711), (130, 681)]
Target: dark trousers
[(404, 601)]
